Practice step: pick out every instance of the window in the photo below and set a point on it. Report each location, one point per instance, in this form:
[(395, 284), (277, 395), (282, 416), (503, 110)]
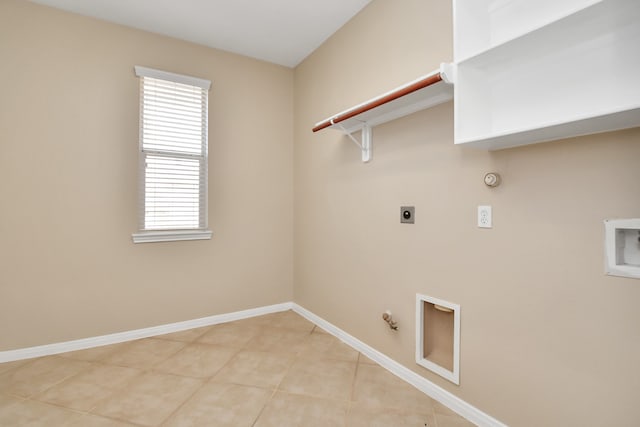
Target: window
[(173, 157)]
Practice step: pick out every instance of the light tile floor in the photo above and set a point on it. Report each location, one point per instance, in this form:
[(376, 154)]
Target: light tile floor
[(273, 370)]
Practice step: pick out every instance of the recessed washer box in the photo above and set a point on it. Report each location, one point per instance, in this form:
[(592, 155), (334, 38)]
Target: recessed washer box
[(622, 247)]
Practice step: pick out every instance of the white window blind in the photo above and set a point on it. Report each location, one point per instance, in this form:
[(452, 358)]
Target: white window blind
[(173, 154)]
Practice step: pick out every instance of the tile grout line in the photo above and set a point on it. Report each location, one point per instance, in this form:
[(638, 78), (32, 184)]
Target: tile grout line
[(32, 397), (397, 407), (205, 380), (353, 388), (108, 417), (299, 356), (142, 371), (123, 386), (433, 413), (101, 361), (119, 389), (180, 406), (275, 390), (277, 387)]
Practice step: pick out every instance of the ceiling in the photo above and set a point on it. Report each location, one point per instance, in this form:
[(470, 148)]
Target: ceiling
[(279, 31)]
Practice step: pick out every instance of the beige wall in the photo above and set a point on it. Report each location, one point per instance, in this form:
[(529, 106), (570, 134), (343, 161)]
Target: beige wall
[(68, 182), (547, 338)]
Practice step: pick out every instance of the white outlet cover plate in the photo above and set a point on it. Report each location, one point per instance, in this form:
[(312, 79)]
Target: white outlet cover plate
[(484, 217)]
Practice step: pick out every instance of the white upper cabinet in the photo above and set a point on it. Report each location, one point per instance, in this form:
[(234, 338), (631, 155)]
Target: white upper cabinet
[(528, 71)]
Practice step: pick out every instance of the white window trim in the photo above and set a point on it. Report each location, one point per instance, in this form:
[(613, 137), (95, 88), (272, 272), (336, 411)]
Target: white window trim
[(177, 78), (171, 236), (153, 236)]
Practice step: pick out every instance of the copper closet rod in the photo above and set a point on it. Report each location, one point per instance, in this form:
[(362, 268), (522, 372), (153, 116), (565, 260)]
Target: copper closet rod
[(421, 84)]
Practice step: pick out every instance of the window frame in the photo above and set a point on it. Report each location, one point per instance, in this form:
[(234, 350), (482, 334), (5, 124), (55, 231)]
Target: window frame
[(166, 235)]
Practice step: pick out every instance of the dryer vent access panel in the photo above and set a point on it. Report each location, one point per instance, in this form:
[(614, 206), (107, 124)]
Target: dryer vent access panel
[(438, 336)]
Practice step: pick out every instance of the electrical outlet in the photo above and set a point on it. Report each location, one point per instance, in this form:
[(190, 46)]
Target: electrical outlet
[(484, 217)]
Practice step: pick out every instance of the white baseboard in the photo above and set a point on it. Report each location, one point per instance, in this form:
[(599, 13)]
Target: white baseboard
[(82, 344), (449, 400)]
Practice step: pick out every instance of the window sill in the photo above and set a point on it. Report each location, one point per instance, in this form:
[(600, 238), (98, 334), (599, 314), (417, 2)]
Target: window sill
[(170, 236)]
